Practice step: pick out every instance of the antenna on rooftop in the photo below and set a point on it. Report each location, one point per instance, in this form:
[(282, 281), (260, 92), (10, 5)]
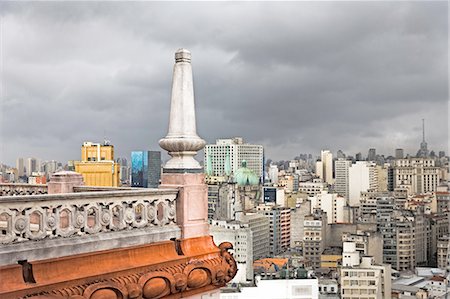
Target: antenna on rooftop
[(423, 129), (105, 141)]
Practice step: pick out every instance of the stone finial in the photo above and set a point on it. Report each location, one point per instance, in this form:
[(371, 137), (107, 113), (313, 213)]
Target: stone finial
[(182, 141)]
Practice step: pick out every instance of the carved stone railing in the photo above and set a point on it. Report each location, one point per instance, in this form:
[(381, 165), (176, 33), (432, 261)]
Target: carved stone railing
[(22, 189), (25, 218)]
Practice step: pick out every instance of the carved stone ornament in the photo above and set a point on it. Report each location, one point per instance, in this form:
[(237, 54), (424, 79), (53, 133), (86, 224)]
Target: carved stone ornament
[(202, 267)]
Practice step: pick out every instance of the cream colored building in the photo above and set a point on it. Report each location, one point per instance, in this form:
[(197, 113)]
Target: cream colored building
[(362, 177), (324, 167), (417, 175), (332, 204), (361, 277), (315, 231)]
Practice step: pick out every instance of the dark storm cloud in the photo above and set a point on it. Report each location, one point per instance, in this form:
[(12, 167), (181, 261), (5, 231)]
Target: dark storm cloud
[(296, 76)]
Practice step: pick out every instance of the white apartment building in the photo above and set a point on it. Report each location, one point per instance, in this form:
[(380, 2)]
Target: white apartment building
[(332, 204), (233, 151), (312, 188), (417, 175), (273, 174), (361, 277), (362, 177), (242, 239), (341, 172), (324, 167)]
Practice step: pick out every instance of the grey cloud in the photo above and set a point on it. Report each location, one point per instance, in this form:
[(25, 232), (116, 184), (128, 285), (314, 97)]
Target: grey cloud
[(295, 76)]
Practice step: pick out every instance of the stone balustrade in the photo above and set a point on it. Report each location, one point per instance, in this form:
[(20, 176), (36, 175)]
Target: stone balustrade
[(39, 217), (12, 189)]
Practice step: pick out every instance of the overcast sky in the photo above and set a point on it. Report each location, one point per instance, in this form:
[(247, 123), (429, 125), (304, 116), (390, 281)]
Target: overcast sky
[(296, 77)]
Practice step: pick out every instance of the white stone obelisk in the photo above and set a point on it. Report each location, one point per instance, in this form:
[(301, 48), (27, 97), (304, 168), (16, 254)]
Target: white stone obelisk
[(182, 141), (182, 171)]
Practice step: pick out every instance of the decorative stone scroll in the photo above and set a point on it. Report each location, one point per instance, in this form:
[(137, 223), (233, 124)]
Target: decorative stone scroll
[(62, 216), (186, 276)]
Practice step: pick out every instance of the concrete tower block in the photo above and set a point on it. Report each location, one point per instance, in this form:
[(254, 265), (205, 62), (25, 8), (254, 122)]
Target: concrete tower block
[(182, 171), (64, 181)]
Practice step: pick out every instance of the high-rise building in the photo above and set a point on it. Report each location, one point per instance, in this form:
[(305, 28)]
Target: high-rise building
[(124, 174), (273, 174), (341, 172), (362, 177), (145, 169), (315, 231), (97, 165), (226, 156), (324, 169), (399, 154), (398, 228), (372, 154), (20, 167), (332, 204), (280, 227), (32, 166), (417, 175)]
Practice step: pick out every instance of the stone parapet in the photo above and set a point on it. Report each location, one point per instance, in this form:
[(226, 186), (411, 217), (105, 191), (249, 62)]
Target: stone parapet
[(14, 189), (39, 217), (192, 202), (64, 181)]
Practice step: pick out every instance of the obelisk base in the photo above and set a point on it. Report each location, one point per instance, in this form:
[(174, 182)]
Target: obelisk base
[(192, 202)]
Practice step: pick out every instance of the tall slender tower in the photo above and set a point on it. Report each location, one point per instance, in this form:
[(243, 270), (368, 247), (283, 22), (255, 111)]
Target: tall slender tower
[(423, 151)]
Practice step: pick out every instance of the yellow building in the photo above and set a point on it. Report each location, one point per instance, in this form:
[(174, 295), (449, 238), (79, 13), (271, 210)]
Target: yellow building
[(97, 165), (331, 258)]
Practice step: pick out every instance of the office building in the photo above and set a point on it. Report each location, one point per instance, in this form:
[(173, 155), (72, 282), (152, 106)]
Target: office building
[(229, 153), (20, 167), (280, 227), (97, 165), (145, 169), (362, 177), (372, 154), (341, 172), (32, 166), (417, 175), (273, 174), (324, 167), (332, 204), (259, 225)]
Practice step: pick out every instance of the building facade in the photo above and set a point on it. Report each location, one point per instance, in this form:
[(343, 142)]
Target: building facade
[(145, 169), (97, 165), (225, 157)]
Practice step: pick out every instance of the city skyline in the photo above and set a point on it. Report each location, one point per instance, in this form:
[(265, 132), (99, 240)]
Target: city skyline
[(309, 79)]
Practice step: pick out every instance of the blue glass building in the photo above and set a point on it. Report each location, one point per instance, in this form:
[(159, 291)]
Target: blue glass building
[(145, 169)]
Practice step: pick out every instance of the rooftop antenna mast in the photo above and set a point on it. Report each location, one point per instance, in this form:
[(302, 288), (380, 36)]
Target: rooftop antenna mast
[(423, 129)]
